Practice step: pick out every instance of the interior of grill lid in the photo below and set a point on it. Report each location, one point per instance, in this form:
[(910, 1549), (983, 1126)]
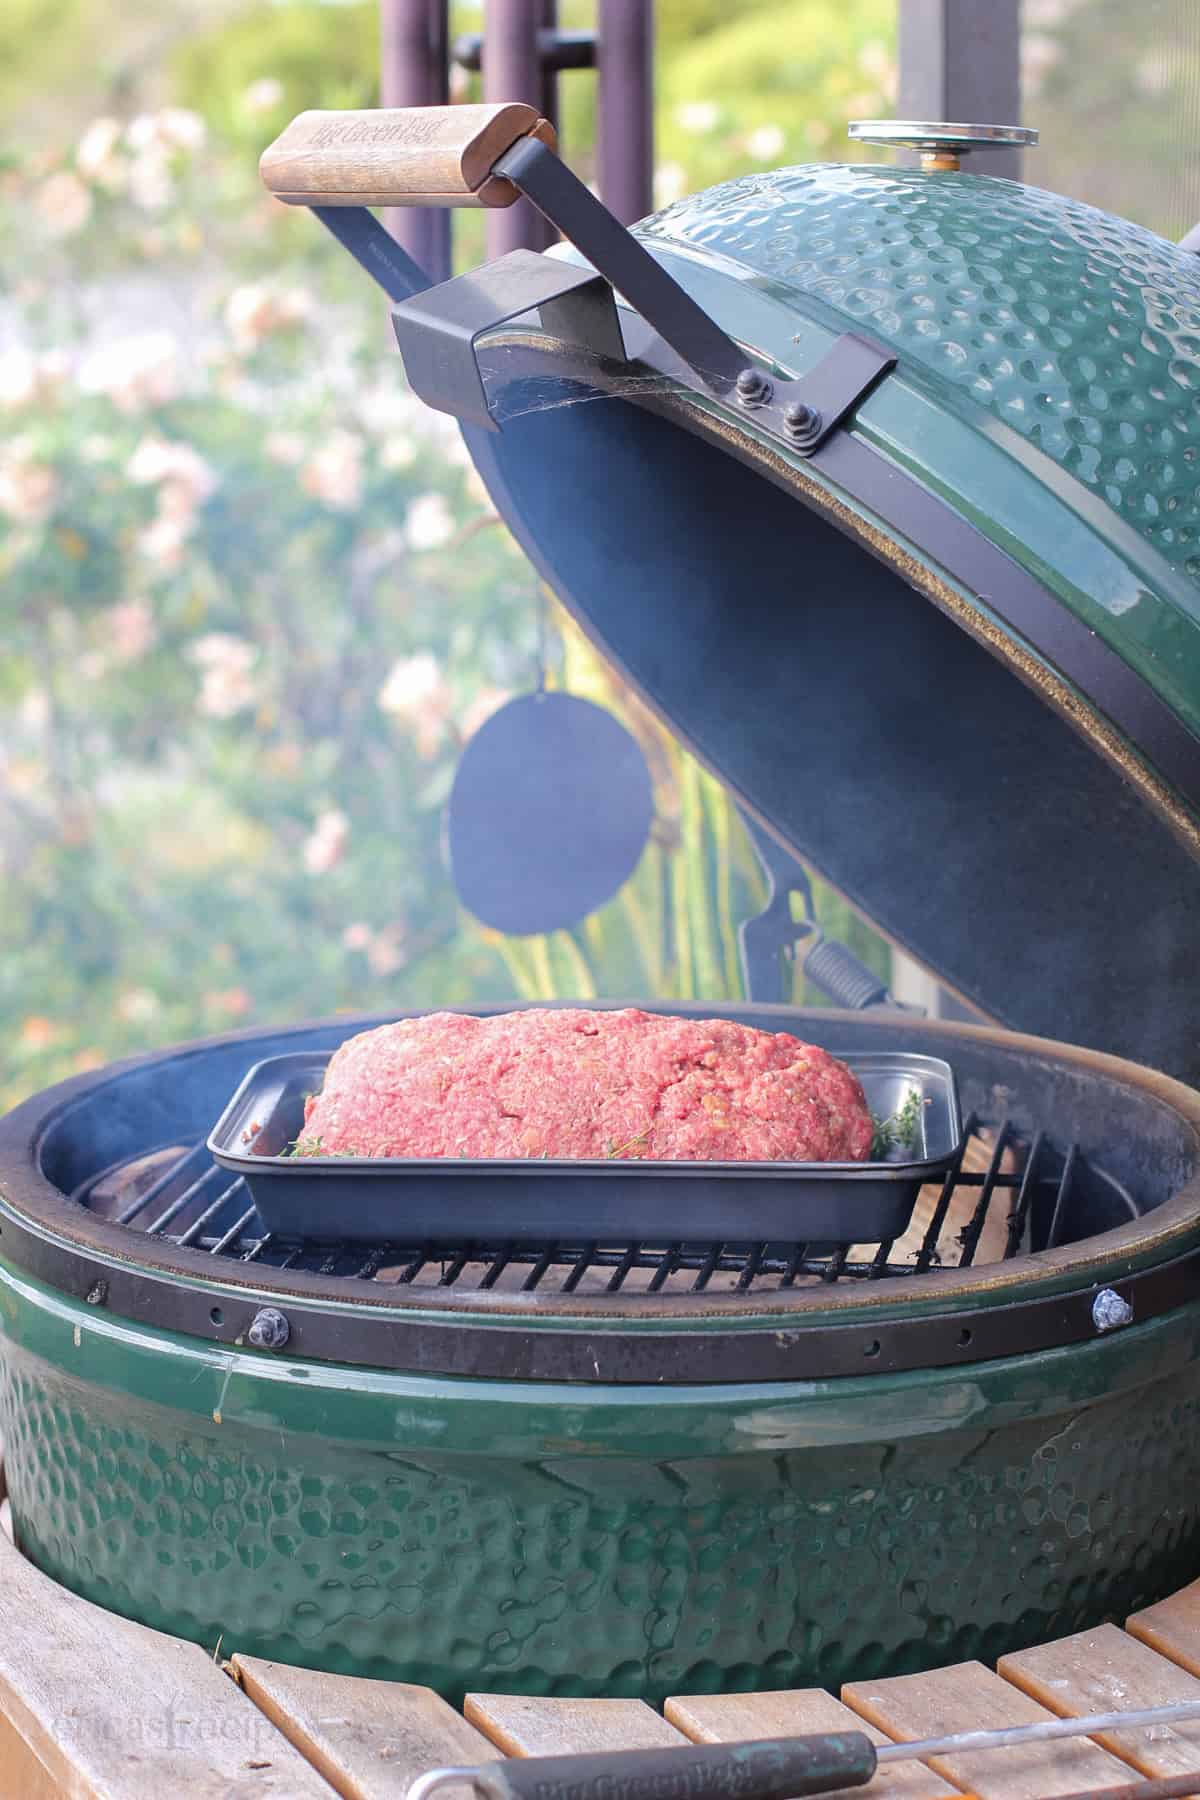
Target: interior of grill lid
[(997, 765)]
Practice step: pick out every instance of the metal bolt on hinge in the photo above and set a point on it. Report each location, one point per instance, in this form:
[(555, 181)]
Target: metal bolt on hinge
[(269, 1329), (1109, 1310), (753, 388), (802, 422)]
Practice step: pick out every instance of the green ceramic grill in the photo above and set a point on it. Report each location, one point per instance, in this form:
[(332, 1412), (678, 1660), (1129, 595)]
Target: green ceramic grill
[(880, 486)]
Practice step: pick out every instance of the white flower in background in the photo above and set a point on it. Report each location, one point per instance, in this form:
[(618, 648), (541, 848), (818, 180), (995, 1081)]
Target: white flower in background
[(18, 377), (161, 543), (385, 953), (334, 472), (766, 143), (227, 685), (698, 115), (263, 96), (137, 1006), (154, 139), (175, 467), (385, 407), (324, 849), (397, 453), (174, 128), (134, 372), (34, 710), (129, 627), (97, 158), (64, 203), (356, 937), (254, 311), (429, 523), (150, 184), (26, 377), (416, 694), (285, 447), (96, 448), (27, 486), (670, 183), (184, 482)]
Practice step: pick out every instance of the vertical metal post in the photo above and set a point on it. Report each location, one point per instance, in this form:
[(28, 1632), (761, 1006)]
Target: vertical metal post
[(960, 60), (548, 22), (414, 70), (512, 70), (625, 107)]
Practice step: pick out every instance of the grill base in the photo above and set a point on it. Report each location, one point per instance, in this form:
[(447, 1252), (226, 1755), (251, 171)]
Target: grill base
[(558, 1540)]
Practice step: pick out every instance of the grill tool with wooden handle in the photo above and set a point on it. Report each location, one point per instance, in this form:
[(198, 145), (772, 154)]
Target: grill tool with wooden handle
[(771, 1769)]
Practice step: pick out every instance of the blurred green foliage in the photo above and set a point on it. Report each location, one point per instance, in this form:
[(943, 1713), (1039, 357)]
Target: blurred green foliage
[(252, 597)]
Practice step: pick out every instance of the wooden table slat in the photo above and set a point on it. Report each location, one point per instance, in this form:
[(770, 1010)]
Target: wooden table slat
[(521, 1726), (369, 1739), (95, 1706), (1172, 1627), (1106, 1670), (796, 1712), (968, 1697)]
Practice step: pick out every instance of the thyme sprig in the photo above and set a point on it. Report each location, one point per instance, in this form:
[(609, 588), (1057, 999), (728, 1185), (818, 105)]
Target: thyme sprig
[(899, 1131)]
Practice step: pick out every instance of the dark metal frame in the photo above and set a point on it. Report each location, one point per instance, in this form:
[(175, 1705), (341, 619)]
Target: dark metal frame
[(961, 60)]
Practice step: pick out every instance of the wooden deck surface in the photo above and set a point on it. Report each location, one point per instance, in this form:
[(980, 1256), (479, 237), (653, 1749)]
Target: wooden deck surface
[(96, 1708)]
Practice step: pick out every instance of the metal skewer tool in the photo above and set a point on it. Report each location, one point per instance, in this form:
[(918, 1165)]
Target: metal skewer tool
[(775, 1768)]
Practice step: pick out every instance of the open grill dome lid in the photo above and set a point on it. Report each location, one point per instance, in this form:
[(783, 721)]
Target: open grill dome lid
[(923, 585)]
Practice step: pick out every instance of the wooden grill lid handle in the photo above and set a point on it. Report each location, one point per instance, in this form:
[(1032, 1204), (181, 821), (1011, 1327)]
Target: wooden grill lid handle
[(400, 156)]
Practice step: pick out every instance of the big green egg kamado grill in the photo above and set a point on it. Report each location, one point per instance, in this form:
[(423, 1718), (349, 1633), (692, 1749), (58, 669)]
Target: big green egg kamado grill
[(880, 487)]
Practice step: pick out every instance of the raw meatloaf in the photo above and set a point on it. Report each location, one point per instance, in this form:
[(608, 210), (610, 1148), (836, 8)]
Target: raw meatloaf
[(586, 1084)]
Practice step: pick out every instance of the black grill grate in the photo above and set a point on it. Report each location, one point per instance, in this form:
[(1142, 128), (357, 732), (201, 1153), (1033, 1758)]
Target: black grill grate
[(1006, 1195)]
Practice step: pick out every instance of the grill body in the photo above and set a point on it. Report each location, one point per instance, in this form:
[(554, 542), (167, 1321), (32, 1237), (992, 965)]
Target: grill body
[(557, 1540), (645, 1525)]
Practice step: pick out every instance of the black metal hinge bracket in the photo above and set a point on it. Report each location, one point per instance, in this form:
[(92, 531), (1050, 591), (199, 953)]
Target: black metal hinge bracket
[(673, 336), (437, 331)]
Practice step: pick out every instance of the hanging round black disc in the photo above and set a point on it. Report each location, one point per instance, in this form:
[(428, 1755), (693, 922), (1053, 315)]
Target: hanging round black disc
[(549, 814)]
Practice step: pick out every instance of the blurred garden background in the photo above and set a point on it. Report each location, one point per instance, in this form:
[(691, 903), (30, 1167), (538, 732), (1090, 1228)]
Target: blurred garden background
[(254, 600)]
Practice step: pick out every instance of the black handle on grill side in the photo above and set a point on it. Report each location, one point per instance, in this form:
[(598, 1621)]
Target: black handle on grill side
[(770, 1769)]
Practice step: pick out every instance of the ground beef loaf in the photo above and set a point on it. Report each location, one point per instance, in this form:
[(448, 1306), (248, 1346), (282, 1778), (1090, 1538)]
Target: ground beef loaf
[(586, 1084)]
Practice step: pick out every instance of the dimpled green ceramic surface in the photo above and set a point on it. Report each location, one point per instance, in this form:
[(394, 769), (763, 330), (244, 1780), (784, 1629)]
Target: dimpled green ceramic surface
[(562, 1540)]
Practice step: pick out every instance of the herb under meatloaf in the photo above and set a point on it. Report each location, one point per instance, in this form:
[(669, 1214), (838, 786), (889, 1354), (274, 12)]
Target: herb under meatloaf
[(550, 1083)]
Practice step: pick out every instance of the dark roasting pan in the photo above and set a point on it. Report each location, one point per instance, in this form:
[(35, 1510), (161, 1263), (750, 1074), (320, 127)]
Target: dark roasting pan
[(431, 1200)]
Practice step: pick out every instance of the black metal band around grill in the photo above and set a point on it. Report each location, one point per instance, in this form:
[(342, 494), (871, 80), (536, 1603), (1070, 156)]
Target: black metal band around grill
[(454, 1345)]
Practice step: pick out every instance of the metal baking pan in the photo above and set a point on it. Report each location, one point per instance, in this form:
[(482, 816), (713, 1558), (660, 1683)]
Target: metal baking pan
[(434, 1200)]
